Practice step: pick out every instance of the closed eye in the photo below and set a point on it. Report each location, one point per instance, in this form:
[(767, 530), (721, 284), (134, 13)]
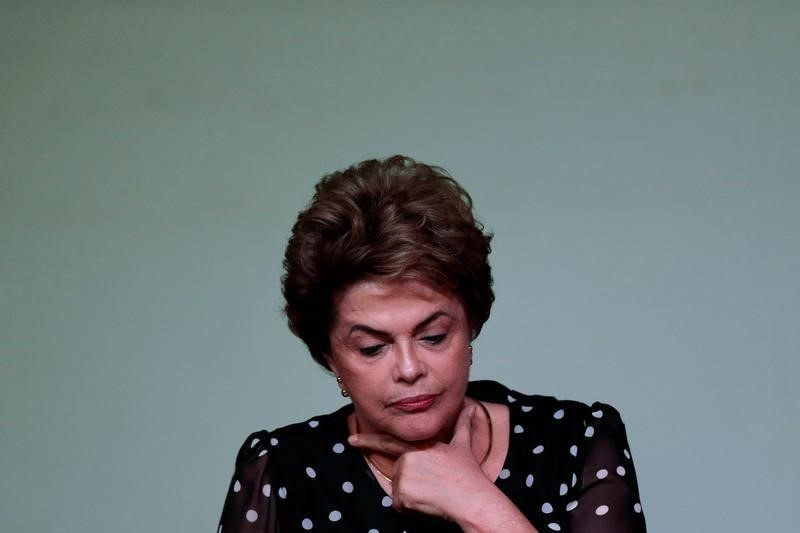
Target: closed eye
[(371, 350), (434, 339)]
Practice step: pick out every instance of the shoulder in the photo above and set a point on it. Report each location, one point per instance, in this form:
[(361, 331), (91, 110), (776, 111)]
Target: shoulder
[(566, 426), (298, 439), (279, 468), (558, 439), (539, 406)]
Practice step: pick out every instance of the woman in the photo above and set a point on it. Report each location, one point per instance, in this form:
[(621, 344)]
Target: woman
[(387, 282)]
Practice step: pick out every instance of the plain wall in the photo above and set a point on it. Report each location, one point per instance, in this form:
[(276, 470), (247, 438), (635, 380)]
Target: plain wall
[(637, 162)]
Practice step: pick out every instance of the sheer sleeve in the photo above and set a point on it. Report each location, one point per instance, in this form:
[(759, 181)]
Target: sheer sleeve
[(608, 500), (250, 503)]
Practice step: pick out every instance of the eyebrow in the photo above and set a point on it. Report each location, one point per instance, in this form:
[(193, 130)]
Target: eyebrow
[(383, 334)]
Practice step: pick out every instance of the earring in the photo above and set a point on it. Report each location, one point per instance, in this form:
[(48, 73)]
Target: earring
[(344, 392), (470, 354)]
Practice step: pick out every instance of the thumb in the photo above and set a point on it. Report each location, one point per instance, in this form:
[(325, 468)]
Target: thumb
[(462, 433)]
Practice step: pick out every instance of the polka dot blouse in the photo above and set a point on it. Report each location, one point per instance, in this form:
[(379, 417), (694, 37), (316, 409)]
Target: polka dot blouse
[(568, 468)]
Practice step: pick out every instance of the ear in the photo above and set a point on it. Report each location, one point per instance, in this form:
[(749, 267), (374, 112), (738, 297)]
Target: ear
[(331, 364)]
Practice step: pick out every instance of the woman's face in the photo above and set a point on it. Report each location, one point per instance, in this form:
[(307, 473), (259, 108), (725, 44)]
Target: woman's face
[(402, 351)]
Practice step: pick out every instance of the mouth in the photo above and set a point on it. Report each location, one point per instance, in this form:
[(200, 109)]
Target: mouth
[(414, 404)]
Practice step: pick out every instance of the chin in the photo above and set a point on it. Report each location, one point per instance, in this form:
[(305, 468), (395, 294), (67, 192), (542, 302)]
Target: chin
[(416, 431), (416, 436)]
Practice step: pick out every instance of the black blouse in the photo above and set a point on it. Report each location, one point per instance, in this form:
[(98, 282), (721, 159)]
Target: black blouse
[(568, 468)]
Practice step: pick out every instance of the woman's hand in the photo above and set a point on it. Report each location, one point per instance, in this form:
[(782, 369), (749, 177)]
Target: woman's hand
[(437, 480), (445, 480)]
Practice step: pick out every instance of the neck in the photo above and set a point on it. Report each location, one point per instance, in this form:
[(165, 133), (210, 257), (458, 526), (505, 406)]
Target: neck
[(481, 442)]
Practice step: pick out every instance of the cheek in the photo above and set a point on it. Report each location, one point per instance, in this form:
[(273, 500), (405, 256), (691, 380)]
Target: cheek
[(454, 371), (459, 360), (366, 383), (459, 367)]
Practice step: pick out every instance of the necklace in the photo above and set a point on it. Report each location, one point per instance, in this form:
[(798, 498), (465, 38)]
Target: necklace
[(482, 461)]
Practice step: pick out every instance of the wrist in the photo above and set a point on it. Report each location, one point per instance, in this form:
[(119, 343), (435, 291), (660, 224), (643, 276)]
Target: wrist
[(491, 511)]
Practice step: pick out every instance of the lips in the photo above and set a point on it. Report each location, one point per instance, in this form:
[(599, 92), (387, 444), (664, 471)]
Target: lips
[(414, 404)]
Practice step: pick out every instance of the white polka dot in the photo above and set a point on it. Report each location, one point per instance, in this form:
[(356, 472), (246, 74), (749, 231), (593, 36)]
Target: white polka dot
[(310, 472), (237, 486), (335, 516), (273, 441), (627, 453), (574, 480), (511, 399), (504, 473), (386, 501), (637, 507), (600, 511), (373, 530), (282, 493), (347, 487), (589, 431), (529, 480), (598, 413), (251, 516), (547, 508), (338, 447), (539, 449), (558, 415), (518, 429), (527, 408), (313, 423), (573, 450), (262, 453), (572, 505), (602, 473), (621, 470), (254, 442), (307, 524), (267, 490), (562, 490), (554, 526)]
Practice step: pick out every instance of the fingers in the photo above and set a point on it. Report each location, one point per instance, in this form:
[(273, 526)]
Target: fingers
[(379, 442), (462, 433)]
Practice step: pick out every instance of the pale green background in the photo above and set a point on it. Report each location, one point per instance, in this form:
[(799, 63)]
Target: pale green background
[(638, 163)]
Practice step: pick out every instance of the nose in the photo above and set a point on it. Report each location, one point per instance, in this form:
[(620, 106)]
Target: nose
[(408, 365)]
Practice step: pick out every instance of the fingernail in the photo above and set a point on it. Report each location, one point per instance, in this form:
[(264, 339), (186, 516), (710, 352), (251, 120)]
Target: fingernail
[(352, 439)]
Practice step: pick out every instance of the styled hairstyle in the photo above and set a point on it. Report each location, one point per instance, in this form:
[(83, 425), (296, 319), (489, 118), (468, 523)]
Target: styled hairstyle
[(385, 219)]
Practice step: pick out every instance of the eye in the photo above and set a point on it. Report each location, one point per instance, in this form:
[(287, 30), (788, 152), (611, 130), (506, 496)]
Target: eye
[(371, 350), (434, 339)]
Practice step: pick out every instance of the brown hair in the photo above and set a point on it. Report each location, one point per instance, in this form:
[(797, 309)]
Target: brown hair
[(394, 218)]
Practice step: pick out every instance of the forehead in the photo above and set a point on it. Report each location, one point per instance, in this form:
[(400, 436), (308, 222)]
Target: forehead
[(392, 303)]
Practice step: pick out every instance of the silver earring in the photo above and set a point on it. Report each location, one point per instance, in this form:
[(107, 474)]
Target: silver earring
[(470, 354)]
